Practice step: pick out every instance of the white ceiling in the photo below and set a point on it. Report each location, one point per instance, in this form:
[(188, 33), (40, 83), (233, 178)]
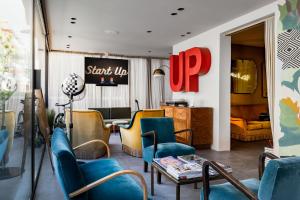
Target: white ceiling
[(132, 18)]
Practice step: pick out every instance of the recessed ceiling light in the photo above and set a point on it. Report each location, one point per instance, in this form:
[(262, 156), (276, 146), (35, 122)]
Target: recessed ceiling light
[(149, 51), (70, 36), (180, 9), (188, 33), (173, 13), (149, 31), (73, 18), (73, 22), (182, 35), (68, 47), (111, 32)]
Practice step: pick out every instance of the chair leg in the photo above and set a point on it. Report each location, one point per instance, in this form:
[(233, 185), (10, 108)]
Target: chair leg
[(158, 177), (145, 166)]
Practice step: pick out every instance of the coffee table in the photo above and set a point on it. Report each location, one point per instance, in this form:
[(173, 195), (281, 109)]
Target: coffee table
[(178, 182)]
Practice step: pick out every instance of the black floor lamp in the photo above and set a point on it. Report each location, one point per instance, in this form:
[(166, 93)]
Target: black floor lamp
[(72, 86), (160, 73)]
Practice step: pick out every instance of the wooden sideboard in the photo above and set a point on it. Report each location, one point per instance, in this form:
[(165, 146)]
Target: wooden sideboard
[(199, 119)]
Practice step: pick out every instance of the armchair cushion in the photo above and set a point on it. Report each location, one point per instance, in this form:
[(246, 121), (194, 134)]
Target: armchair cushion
[(167, 149), (123, 187), (227, 191), (254, 126)]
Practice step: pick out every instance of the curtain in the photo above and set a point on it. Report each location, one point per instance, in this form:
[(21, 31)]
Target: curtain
[(138, 83), (270, 66), (157, 83), (62, 64)]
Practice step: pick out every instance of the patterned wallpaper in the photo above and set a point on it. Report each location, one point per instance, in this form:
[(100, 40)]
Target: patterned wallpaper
[(288, 54)]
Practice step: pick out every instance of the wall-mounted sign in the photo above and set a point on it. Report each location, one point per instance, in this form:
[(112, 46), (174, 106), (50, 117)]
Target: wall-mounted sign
[(105, 71), (186, 67)]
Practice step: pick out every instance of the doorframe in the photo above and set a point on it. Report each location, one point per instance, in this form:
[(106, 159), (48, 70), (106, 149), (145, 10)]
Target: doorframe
[(225, 80)]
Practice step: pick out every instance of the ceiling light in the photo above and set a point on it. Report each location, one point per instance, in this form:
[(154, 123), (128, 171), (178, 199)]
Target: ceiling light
[(182, 35), (173, 14), (73, 18), (149, 51), (73, 22), (70, 36), (180, 9), (111, 32), (188, 33), (68, 47), (149, 31)]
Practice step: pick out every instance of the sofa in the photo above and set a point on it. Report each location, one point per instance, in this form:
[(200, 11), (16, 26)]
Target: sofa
[(131, 134), (117, 113), (246, 124)]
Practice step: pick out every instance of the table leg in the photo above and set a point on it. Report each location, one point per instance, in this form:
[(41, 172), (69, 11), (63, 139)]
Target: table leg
[(158, 177), (177, 192), (152, 180)]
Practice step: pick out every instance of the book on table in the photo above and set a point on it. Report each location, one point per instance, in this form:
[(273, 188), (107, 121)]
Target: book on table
[(186, 167)]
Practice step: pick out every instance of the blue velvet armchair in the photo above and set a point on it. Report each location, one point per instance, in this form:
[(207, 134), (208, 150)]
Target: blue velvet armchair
[(280, 180), (158, 140), (99, 179)]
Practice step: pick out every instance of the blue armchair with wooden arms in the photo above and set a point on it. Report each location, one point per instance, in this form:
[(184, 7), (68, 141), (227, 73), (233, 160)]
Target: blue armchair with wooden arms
[(279, 180)]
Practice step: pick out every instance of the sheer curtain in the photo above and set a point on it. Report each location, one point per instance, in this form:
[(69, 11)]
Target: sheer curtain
[(138, 82), (62, 64), (270, 65)]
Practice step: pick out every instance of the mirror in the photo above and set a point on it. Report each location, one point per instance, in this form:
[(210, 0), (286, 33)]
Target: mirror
[(243, 76)]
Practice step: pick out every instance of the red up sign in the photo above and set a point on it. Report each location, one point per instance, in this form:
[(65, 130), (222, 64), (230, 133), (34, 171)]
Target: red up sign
[(186, 67)]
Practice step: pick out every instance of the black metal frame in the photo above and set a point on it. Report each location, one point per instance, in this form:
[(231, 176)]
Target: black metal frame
[(155, 142), (231, 179)]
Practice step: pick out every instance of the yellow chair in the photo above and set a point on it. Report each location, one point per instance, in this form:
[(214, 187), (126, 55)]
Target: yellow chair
[(10, 121), (131, 135), (88, 125)]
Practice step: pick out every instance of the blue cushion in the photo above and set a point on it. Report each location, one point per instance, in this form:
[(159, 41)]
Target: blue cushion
[(164, 127), (227, 191), (122, 187), (167, 149), (66, 168), (3, 143), (281, 179)]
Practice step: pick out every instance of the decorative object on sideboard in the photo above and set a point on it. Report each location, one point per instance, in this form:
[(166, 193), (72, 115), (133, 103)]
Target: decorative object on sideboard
[(181, 103)]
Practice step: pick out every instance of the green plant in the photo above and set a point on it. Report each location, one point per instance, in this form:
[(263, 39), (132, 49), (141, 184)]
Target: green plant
[(51, 116), (7, 49)]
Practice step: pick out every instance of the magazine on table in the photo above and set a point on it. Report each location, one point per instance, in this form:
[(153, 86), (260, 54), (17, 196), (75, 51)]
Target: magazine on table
[(200, 160), (186, 167)]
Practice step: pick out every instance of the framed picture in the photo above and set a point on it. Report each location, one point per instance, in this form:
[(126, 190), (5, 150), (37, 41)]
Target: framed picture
[(243, 76)]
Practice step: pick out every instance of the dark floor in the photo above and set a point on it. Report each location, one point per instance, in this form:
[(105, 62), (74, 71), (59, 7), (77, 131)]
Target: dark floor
[(243, 159)]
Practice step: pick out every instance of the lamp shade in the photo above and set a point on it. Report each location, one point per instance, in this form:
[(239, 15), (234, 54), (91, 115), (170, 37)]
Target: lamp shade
[(73, 85), (158, 72)]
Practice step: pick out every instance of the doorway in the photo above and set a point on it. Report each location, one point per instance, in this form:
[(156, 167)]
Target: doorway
[(250, 125)]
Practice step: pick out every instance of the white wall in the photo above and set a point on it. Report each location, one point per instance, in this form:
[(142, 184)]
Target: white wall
[(214, 87)]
